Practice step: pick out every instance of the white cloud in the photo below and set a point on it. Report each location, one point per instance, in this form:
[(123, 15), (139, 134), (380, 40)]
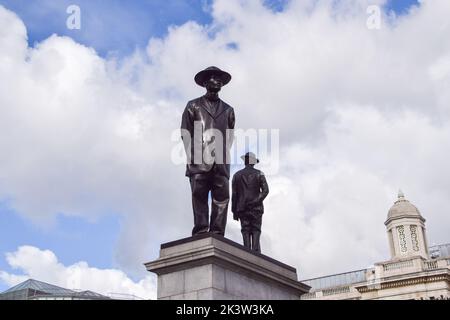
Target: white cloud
[(81, 142), (362, 112), (43, 265), (329, 202)]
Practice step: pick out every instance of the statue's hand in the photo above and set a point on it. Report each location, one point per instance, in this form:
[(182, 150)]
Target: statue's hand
[(252, 204)]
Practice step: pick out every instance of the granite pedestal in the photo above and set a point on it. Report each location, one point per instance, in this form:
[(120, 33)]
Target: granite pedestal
[(211, 267)]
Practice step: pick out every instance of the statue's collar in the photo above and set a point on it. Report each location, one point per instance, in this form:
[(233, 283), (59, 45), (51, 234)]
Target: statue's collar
[(213, 97)]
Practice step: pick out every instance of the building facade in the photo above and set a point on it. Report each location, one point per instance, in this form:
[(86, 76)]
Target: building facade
[(414, 271)]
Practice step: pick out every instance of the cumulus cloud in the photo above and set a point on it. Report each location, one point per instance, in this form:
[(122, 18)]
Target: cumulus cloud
[(361, 113), (334, 197), (44, 266), (81, 142)]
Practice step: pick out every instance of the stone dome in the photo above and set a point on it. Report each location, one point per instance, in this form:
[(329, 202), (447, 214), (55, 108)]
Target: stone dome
[(403, 208)]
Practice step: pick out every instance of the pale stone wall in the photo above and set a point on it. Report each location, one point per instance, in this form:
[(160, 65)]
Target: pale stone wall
[(212, 282), (214, 268), (394, 238), (405, 279)]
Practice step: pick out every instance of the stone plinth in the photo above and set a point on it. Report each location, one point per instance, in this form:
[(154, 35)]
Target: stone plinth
[(211, 267)]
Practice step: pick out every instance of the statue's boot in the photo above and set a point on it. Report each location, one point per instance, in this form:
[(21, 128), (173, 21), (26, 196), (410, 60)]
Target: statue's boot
[(256, 246)]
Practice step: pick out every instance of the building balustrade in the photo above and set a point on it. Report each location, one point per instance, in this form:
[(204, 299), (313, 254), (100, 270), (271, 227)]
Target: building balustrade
[(333, 291), (398, 265), (309, 296), (430, 265)]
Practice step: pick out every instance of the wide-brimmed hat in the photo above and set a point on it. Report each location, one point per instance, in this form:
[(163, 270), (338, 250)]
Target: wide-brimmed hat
[(205, 75), (251, 157)]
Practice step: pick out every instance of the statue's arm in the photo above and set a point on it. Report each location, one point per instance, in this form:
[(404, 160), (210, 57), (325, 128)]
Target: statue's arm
[(234, 199), (231, 125), (232, 120), (264, 187), (187, 128), (264, 190)]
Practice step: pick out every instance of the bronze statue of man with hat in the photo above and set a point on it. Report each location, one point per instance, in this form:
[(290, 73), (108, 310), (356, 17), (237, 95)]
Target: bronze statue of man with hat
[(207, 132), (249, 189)]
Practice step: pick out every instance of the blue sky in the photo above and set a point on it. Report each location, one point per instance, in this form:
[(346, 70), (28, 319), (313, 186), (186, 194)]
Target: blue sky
[(120, 26), (72, 239), (401, 6), (69, 239)]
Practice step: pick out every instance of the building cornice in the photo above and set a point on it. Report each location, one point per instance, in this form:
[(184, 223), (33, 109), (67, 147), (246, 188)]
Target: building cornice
[(404, 216), (437, 275)]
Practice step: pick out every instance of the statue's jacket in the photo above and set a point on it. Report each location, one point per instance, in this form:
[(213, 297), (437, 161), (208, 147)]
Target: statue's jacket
[(204, 147), (249, 189)]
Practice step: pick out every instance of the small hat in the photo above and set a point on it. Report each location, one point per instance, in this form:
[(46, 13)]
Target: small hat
[(205, 75), (251, 156)]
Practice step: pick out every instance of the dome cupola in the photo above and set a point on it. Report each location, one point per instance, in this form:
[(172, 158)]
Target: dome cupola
[(406, 230), (403, 208)]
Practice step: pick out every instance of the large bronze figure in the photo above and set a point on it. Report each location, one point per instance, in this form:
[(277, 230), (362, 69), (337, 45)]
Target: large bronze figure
[(249, 189), (207, 126)]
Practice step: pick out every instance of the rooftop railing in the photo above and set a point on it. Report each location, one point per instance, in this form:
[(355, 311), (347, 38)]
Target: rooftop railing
[(333, 291), (398, 265), (430, 265)]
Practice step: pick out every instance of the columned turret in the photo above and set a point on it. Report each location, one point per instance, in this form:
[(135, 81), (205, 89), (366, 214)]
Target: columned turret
[(406, 230)]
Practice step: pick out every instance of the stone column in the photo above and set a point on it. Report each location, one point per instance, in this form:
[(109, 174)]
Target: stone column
[(211, 267)]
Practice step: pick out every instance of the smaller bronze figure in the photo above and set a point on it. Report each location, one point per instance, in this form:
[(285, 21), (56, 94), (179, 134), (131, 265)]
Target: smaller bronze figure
[(249, 189)]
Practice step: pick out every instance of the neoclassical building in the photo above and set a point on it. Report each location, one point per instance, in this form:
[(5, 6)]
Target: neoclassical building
[(414, 271)]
